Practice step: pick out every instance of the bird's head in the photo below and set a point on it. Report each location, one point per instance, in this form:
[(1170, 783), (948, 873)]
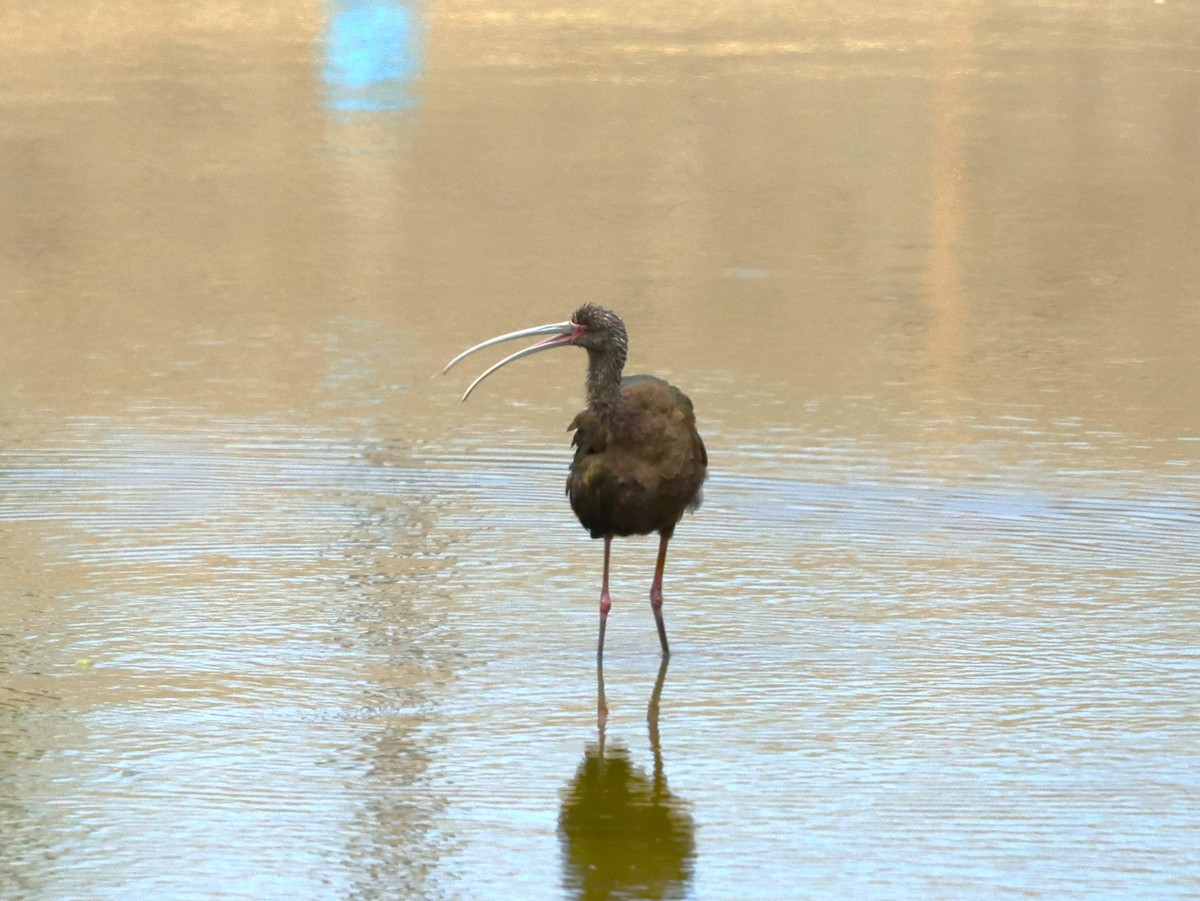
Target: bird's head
[(601, 331), (597, 329)]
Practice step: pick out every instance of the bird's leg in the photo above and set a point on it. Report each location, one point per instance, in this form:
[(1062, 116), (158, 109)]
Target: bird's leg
[(656, 593), (605, 600), (601, 704)]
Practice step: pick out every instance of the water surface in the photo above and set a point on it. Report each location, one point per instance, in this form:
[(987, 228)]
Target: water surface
[(279, 617)]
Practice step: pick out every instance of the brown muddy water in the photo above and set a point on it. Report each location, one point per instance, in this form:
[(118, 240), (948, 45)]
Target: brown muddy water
[(280, 617)]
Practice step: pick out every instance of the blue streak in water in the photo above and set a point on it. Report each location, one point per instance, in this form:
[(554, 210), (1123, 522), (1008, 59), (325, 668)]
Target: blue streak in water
[(374, 55)]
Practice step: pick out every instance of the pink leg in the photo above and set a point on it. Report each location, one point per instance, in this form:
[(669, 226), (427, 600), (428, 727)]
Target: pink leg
[(656, 594), (605, 600)]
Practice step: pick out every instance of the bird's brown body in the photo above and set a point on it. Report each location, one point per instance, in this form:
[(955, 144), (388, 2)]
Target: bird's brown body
[(638, 473), (639, 460)]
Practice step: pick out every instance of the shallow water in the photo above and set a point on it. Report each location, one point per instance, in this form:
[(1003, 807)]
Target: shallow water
[(281, 618)]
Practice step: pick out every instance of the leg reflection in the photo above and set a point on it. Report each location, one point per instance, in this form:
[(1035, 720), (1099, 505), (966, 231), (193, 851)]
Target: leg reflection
[(623, 833)]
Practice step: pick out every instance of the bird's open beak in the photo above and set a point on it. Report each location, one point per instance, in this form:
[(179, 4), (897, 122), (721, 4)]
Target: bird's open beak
[(561, 333)]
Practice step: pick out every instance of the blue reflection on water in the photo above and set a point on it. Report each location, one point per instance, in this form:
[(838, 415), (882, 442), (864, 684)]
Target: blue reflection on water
[(373, 55)]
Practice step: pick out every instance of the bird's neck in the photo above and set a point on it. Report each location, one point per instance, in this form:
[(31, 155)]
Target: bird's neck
[(604, 387)]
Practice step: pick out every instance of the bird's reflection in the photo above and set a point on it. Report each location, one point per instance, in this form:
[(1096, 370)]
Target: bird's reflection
[(623, 834)]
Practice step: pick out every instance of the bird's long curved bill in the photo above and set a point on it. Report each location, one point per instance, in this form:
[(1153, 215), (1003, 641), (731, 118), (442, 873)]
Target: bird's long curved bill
[(560, 333)]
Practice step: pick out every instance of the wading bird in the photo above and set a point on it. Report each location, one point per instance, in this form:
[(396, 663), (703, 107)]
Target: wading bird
[(639, 461)]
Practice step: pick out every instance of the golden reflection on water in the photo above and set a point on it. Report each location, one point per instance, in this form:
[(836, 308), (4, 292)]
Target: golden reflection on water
[(281, 617), (943, 291)]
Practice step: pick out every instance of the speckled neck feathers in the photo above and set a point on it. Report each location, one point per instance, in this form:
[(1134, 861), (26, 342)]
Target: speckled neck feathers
[(604, 385), (607, 345)]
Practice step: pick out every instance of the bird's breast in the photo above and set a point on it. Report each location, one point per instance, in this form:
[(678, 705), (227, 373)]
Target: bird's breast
[(639, 472)]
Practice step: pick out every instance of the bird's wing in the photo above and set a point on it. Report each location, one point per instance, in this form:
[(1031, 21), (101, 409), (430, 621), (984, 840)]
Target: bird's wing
[(590, 438)]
